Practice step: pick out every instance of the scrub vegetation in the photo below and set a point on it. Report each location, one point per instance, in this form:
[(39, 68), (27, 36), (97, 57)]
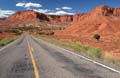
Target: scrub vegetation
[(93, 52), (5, 41)]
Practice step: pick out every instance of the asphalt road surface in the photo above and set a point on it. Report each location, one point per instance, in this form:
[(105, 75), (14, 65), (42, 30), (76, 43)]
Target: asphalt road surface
[(29, 57)]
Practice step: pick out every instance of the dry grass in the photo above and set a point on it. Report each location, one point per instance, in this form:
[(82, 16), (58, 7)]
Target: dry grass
[(111, 59)]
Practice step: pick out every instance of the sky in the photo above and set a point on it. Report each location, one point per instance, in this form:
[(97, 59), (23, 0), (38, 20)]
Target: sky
[(54, 7)]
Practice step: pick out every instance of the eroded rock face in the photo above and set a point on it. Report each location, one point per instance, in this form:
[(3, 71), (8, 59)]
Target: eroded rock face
[(116, 12), (24, 15), (61, 19), (77, 17), (106, 11), (103, 11)]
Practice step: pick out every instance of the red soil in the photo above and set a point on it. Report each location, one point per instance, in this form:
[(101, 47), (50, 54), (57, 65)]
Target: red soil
[(6, 35)]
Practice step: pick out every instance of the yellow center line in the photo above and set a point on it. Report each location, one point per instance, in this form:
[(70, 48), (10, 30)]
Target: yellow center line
[(33, 60)]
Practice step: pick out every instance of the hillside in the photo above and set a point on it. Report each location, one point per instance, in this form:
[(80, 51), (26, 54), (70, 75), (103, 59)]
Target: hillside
[(102, 20)]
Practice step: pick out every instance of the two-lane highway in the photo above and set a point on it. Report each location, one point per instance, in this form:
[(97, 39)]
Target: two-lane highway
[(29, 57)]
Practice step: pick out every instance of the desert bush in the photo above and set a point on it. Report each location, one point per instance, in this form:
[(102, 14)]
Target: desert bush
[(5, 41), (54, 40), (110, 58), (76, 46), (94, 52), (96, 36), (91, 51)]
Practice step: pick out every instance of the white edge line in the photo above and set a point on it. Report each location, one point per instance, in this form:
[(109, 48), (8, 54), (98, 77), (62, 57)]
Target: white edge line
[(95, 62), (4, 47)]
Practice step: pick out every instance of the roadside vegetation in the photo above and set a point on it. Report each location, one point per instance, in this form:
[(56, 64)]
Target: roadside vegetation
[(94, 52), (5, 41), (111, 59)]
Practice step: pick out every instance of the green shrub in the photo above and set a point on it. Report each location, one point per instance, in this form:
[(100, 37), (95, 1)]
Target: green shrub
[(86, 48), (5, 41), (96, 36), (94, 52)]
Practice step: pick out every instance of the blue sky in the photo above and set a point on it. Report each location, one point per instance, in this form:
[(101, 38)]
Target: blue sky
[(56, 7)]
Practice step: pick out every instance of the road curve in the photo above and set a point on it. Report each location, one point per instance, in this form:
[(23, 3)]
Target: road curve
[(29, 57)]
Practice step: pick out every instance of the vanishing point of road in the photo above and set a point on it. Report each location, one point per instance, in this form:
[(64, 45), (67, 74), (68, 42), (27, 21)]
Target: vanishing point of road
[(29, 57)]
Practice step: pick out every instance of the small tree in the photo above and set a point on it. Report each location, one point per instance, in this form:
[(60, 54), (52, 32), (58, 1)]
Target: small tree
[(96, 36)]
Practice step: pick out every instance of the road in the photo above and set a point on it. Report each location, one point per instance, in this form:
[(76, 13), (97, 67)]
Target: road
[(29, 57)]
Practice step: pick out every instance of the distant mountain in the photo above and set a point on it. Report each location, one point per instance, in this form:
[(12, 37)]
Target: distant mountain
[(31, 17)]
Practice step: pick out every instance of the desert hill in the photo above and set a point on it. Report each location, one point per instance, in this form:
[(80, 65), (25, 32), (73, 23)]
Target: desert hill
[(102, 20)]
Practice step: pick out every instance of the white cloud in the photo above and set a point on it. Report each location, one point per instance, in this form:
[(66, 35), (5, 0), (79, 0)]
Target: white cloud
[(41, 10), (6, 13), (20, 4), (60, 13), (63, 8), (28, 4), (66, 8), (58, 8)]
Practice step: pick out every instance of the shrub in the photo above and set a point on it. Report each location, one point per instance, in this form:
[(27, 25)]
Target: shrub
[(110, 58), (96, 36), (94, 52), (5, 41), (85, 48)]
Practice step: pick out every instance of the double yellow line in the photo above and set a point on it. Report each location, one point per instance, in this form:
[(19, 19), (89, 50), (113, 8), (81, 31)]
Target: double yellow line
[(33, 61)]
